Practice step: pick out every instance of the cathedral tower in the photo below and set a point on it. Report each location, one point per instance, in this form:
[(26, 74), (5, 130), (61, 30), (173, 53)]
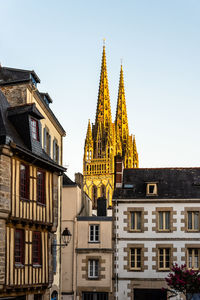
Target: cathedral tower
[(104, 140)]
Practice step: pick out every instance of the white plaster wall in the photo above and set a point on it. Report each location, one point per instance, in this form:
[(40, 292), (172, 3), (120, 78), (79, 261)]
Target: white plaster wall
[(150, 207), (178, 238)]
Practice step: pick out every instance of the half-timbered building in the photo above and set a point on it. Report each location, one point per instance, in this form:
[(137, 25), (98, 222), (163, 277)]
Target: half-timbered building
[(30, 184)]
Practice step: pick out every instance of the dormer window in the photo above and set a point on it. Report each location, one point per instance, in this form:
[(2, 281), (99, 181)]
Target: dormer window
[(35, 129), (33, 80), (151, 189)]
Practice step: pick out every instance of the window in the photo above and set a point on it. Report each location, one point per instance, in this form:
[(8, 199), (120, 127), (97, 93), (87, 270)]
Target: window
[(55, 151), (103, 191), (94, 195), (35, 129), (19, 246), (193, 220), (164, 258), (41, 187), (193, 258), (47, 141), (164, 220), (151, 189), (36, 246), (135, 258), (94, 233), (135, 220), (24, 181), (93, 268)]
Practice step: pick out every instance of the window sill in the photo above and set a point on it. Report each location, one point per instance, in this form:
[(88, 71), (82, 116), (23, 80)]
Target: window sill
[(163, 270), (93, 278), (91, 242), (136, 270), (41, 204), (37, 266), (24, 199), (19, 265)]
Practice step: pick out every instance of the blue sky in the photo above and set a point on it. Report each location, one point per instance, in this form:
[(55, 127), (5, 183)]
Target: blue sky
[(159, 41)]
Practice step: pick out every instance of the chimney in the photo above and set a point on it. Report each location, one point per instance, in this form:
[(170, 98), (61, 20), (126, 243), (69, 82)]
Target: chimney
[(119, 167), (79, 179), (102, 207)]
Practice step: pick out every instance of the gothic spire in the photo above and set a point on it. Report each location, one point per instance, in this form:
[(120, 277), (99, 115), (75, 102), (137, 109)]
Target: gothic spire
[(135, 154), (88, 139), (121, 120), (103, 113)]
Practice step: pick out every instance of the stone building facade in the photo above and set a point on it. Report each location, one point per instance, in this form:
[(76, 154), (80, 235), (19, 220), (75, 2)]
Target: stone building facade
[(30, 190), (156, 224)]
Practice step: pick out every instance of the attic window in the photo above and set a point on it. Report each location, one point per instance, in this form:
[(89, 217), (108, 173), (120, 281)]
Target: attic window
[(35, 129), (33, 80), (151, 189), (46, 101)]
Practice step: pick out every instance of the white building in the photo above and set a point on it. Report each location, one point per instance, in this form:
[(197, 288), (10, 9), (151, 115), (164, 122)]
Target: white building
[(156, 223)]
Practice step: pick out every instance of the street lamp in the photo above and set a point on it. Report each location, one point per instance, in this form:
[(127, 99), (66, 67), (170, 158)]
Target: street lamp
[(66, 237)]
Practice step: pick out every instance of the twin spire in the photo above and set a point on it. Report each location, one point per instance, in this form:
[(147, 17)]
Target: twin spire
[(104, 130)]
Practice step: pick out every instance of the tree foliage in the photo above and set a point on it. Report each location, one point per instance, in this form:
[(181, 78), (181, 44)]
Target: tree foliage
[(183, 280)]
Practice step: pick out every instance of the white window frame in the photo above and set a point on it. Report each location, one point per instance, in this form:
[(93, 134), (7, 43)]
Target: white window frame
[(164, 258), (93, 268), (191, 265), (164, 220), (155, 189), (94, 237)]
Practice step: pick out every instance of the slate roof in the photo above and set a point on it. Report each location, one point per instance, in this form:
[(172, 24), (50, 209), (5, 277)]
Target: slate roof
[(14, 131), (67, 181), (172, 183), (11, 75)]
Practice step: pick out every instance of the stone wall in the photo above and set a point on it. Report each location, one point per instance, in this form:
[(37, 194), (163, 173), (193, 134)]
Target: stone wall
[(5, 181), (15, 94), (5, 205)]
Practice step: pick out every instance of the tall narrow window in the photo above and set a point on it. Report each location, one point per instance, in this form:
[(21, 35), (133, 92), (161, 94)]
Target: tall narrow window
[(56, 151), (193, 258), (94, 233), (19, 246), (36, 246), (103, 191), (164, 258), (41, 187), (99, 149), (93, 268), (35, 129), (193, 220), (135, 220), (164, 220), (94, 195), (135, 258), (24, 181)]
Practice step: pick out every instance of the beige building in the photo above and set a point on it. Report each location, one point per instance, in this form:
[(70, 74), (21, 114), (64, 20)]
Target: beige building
[(87, 261), (40, 136)]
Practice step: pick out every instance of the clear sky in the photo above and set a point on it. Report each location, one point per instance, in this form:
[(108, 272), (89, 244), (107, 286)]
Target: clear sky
[(159, 41)]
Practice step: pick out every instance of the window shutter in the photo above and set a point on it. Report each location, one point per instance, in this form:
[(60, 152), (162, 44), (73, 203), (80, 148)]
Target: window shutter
[(44, 139), (54, 149), (58, 154), (49, 145)]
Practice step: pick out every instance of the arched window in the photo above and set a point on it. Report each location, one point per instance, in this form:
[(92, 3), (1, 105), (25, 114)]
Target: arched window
[(90, 154), (54, 295), (87, 154), (94, 196), (103, 191)]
